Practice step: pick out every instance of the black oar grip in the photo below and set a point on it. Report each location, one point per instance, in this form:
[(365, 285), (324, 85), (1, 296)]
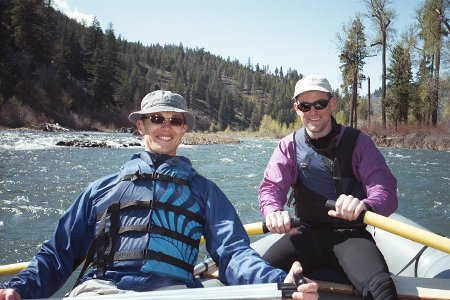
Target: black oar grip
[(330, 204), (288, 289), (295, 222), (299, 279)]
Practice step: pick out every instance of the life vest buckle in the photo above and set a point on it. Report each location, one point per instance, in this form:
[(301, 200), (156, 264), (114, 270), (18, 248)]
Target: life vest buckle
[(135, 176)]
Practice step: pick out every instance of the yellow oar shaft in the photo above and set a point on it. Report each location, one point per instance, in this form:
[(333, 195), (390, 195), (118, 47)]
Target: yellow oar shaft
[(256, 228), (13, 268), (251, 228), (413, 233)]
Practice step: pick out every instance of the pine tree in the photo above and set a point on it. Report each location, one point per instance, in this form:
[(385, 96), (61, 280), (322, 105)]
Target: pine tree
[(92, 40), (29, 22), (400, 85), (352, 56), (432, 21)]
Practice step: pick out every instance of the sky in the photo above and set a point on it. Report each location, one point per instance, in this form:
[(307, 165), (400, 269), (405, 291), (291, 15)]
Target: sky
[(296, 34)]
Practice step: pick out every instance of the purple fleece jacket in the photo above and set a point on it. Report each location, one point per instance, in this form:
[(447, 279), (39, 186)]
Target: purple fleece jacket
[(369, 167)]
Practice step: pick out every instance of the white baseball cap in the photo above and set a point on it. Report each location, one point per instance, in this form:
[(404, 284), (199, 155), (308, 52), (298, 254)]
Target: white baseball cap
[(312, 83)]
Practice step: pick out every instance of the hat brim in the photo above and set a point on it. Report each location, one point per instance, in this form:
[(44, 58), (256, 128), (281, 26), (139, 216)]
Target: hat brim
[(310, 88), (137, 115)]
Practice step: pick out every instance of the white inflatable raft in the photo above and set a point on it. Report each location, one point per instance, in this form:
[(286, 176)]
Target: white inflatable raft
[(419, 272)]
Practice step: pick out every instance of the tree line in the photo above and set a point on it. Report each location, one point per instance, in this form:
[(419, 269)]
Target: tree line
[(422, 48), (55, 69)]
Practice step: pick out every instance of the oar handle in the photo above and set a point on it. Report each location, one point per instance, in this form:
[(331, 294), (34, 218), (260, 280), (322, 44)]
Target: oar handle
[(295, 222), (331, 205)]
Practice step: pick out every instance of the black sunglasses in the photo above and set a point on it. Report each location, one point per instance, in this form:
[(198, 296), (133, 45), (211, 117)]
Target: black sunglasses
[(158, 119), (318, 105)]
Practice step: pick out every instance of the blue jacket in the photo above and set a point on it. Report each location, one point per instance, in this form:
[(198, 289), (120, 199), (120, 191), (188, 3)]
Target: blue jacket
[(226, 241)]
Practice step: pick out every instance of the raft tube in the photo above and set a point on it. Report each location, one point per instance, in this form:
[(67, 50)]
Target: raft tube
[(398, 252)]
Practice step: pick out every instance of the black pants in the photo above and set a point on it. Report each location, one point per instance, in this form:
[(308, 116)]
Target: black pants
[(344, 256)]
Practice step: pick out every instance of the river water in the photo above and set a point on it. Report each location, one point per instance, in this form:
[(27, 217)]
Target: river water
[(39, 180)]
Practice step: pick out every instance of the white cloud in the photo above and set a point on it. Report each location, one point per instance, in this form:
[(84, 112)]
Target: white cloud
[(64, 7)]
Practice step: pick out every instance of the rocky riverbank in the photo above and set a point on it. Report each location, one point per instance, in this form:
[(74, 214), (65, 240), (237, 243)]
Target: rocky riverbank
[(429, 140), (189, 139), (414, 140), (197, 138)]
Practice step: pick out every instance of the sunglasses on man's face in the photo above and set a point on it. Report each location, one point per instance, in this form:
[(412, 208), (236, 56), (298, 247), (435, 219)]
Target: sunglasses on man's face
[(318, 105), (158, 120)]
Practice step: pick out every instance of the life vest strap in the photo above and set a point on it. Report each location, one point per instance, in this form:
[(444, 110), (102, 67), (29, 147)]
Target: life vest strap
[(126, 204), (179, 210), (104, 249), (114, 225), (154, 229), (154, 176), (150, 254), (94, 247), (151, 204), (345, 150)]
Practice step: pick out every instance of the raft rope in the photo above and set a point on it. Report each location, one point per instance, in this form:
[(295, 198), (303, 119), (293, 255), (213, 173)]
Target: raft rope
[(416, 259)]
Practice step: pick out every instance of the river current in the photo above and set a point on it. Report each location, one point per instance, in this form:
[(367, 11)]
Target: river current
[(39, 180)]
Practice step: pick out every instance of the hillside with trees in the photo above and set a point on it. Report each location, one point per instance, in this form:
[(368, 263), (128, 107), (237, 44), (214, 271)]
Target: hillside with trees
[(56, 70)]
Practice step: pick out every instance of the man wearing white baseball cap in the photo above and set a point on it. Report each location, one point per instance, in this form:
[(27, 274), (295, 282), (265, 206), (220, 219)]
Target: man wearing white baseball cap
[(324, 160), (312, 83)]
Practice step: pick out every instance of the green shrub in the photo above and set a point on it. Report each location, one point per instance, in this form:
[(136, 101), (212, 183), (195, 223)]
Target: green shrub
[(271, 128)]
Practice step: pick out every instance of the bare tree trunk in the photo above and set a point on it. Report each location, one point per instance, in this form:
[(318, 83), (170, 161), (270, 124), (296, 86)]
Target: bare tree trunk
[(431, 91), (444, 20), (355, 95), (435, 86), (368, 97), (383, 81), (354, 98), (435, 90)]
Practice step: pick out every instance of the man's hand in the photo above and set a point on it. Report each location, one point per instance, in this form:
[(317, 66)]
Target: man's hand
[(306, 291), (347, 208), (9, 294), (280, 222)]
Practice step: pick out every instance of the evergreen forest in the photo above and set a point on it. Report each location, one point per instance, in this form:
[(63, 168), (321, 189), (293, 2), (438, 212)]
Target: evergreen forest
[(54, 69)]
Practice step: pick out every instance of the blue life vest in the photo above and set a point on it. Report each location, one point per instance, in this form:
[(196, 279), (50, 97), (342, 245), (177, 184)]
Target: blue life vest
[(321, 178), (150, 218)]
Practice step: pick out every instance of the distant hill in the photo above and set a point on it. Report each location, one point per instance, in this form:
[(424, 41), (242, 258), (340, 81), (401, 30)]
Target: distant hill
[(55, 70)]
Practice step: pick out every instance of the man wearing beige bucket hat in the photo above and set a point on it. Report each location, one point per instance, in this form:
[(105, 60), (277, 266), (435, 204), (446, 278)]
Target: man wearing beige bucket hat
[(140, 229), (163, 120), (320, 161), (164, 101)]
